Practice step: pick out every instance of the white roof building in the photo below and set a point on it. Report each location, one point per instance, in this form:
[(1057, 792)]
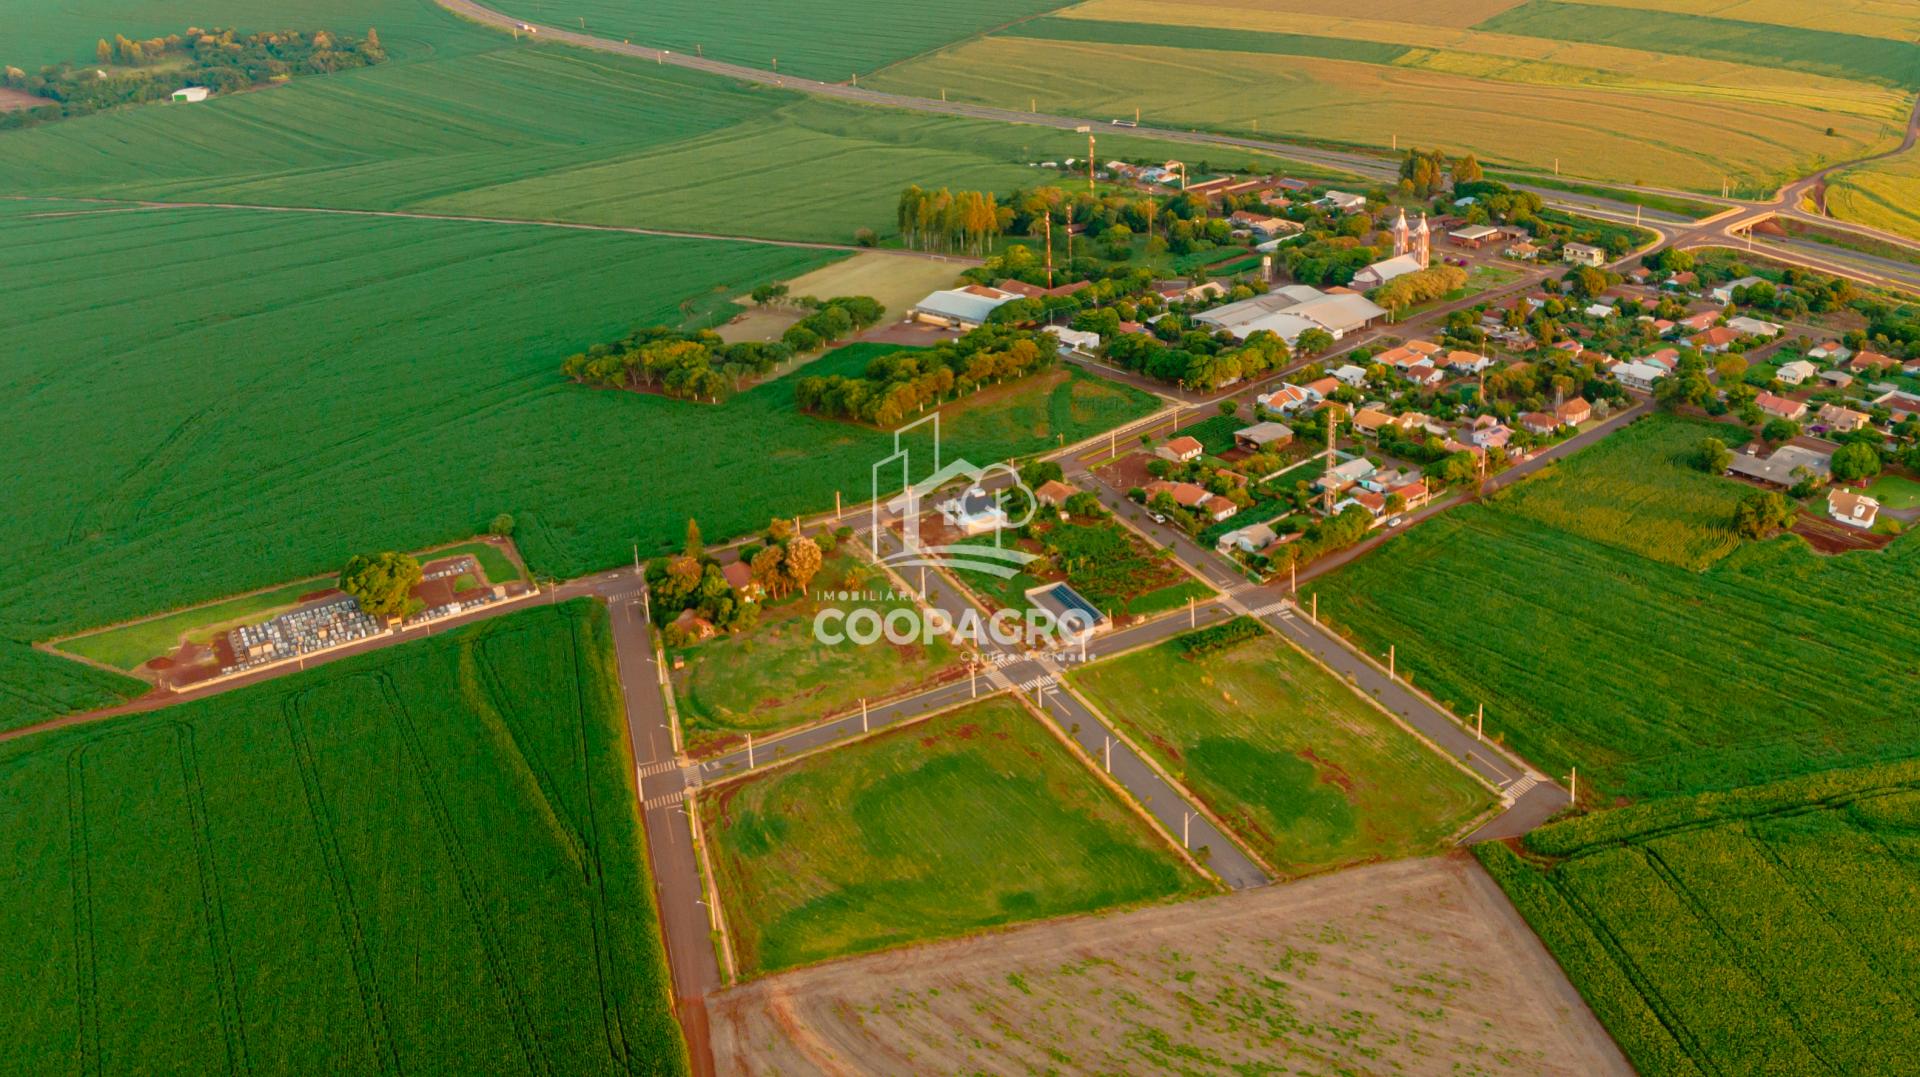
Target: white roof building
[(1075, 341), (962, 308), (191, 94), (1638, 375), (1795, 372), (1724, 293), (1383, 271), (1754, 327), (1350, 375), (1291, 311)]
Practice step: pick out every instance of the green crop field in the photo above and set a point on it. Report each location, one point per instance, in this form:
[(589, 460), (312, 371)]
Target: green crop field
[(1766, 930), (777, 674), (1644, 113), (422, 860), (1885, 194), (1309, 774), (1824, 52), (347, 384), (829, 40), (1671, 510), (1652, 678), (971, 819)]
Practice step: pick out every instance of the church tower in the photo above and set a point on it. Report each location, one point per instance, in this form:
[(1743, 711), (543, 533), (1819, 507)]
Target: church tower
[(1423, 239), (1401, 242)]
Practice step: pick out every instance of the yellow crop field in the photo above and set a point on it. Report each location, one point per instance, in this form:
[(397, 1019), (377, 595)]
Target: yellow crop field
[(1594, 132), (1883, 195), (1895, 19), (1208, 12)]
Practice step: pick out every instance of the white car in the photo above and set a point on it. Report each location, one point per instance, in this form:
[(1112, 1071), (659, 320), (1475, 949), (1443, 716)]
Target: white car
[(1395, 522), (1157, 518)]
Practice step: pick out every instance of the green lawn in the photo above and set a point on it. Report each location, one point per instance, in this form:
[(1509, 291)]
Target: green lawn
[(777, 675), (972, 819), (1896, 492), (498, 567), (129, 647), (1308, 773), (1591, 647), (1115, 569), (1767, 930), (425, 859)]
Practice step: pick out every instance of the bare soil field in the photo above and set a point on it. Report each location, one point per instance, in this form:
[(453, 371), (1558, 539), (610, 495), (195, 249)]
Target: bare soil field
[(1417, 967), (897, 281), (12, 99)]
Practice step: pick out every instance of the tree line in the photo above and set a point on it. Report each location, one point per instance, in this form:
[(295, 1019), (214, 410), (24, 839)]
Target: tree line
[(950, 221), (699, 365), (128, 71), (900, 384)]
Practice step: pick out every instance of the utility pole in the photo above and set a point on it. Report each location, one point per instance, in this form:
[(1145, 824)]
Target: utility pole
[(1089, 163), (636, 559), (749, 751), (1193, 616), (1186, 830), (973, 685), (1390, 662), (863, 714), (1480, 722), (1109, 755), (1574, 780), (1293, 576), (1049, 231), (1316, 608)]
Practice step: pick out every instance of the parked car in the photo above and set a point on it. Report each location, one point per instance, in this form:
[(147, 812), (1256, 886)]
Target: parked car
[(1395, 522), (1157, 518)]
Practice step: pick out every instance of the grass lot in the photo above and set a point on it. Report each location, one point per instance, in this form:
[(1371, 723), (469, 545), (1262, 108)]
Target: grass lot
[(130, 646), (1621, 114), (1310, 774), (1766, 930), (972, 819), (897, 282), (326, 387), (1115, 569), (1652, 678), (1670, 511), (819, 39), (422, 859), (777, 675), (493, 561), (1896, 492)]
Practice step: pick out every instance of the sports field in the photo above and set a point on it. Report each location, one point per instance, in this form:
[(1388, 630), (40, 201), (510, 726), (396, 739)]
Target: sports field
[(262, 395), (777, 674), (1696, 98), (1309, 774), (1766, 930), (971, 819), (1592, 645), (421, 860)]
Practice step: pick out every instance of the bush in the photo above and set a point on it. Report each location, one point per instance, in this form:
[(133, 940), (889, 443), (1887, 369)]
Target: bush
[(1218, 637)]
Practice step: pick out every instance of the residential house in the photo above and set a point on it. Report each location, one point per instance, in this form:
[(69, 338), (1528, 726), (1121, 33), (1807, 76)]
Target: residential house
[(1466, 362), (1700, 322), (1181, 450), (1574, 412), (1424, 374), (1854, 510), (1345, 474), (1754, 327), (1322, 387), (1194, 496), (1780, 407), (1839, 379), (1638, 374), (1286, 399), (1075, 341), (1787, 466), (739, 576), (1342, 202), (1830, 352), (974, 512), (1053, 492), (1600, 310), (1723, 294), (1795, 372), (1262, 436), (1872, 362), (1348, 374), (1489, 433), (1370, 420), (1841, 419), (1583, 254), (1522, 250), (1539, 423), (1405, 355), (1716, 340), (1667, 359), (1375, 504), (1682, 282), (1250, 539)]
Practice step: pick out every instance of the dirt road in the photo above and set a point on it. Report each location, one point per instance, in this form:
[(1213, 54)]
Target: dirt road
[(1411, 967)]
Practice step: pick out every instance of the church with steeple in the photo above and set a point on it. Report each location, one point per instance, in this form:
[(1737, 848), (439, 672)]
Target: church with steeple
[(1412, 252)]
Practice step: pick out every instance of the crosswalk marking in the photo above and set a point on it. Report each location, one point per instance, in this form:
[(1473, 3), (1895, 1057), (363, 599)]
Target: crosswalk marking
[(1270, 609), (664, 800), (650, 769), (1522, 786)]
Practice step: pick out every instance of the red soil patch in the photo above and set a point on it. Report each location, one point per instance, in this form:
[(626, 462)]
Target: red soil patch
[(10, 100), (1828, 537), (1329, 773)]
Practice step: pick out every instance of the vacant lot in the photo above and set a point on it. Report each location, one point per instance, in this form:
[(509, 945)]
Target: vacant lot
[(1651, 678), (1417, 967), (1768, 930), (777, 674), (1308, 773), (972, 819), (1641, 490), (422, 860), (897, 282)]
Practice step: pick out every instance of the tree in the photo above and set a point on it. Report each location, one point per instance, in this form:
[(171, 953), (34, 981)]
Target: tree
[(768, 294), (1715, 456), (803, 561), (1466, 170), (1040, 472), (1313, 342), (502, 526), (103, 51), (1762, 513), (1855, 461), (694, 547), (382, 584), (766, 570), (1778, 431)]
